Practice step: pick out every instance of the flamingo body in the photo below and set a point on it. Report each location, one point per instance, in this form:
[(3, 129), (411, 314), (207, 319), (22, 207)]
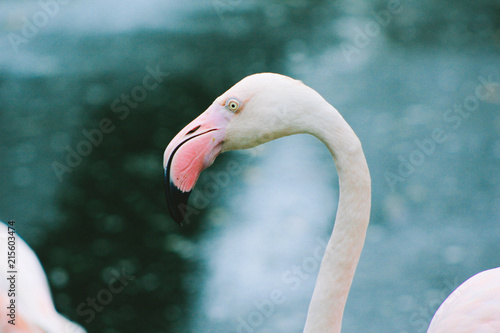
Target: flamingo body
[(35, 311), (473, 307)]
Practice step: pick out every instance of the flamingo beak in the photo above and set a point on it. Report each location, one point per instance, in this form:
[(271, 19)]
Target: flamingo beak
[(190, 152)]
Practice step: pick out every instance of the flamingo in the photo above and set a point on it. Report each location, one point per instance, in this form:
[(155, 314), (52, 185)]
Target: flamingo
[(263, 107), (35, 311)]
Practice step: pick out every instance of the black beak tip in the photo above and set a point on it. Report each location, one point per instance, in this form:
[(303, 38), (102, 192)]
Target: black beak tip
[(176, 201)]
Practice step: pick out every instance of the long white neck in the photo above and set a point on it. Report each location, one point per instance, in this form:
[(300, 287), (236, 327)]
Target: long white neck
[(346, 242)]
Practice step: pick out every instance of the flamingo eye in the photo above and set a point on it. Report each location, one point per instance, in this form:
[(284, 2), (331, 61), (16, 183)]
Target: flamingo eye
[(233, 104)]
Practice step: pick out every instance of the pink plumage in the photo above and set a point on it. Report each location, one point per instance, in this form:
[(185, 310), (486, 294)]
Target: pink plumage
[(473, 307)]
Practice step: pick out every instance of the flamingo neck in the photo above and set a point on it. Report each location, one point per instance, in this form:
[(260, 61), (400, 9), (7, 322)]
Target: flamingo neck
[(346, 242)]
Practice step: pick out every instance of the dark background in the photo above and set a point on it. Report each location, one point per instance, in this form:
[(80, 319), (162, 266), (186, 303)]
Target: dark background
[(394, 81)]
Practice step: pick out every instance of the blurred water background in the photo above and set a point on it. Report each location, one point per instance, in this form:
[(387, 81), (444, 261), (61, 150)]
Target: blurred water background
[(417, 80)]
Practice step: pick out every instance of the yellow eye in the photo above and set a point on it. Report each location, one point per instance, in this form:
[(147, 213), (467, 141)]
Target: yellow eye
[(233, 104)]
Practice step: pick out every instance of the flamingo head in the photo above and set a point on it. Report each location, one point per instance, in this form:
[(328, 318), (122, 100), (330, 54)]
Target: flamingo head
[(259, 108)]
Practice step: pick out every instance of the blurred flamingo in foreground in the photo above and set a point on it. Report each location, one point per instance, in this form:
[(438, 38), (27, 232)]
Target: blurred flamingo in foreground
[(264, 107), (35, 312)]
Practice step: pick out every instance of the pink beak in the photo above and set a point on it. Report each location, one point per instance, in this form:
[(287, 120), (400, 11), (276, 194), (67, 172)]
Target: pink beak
[(190, 152)]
